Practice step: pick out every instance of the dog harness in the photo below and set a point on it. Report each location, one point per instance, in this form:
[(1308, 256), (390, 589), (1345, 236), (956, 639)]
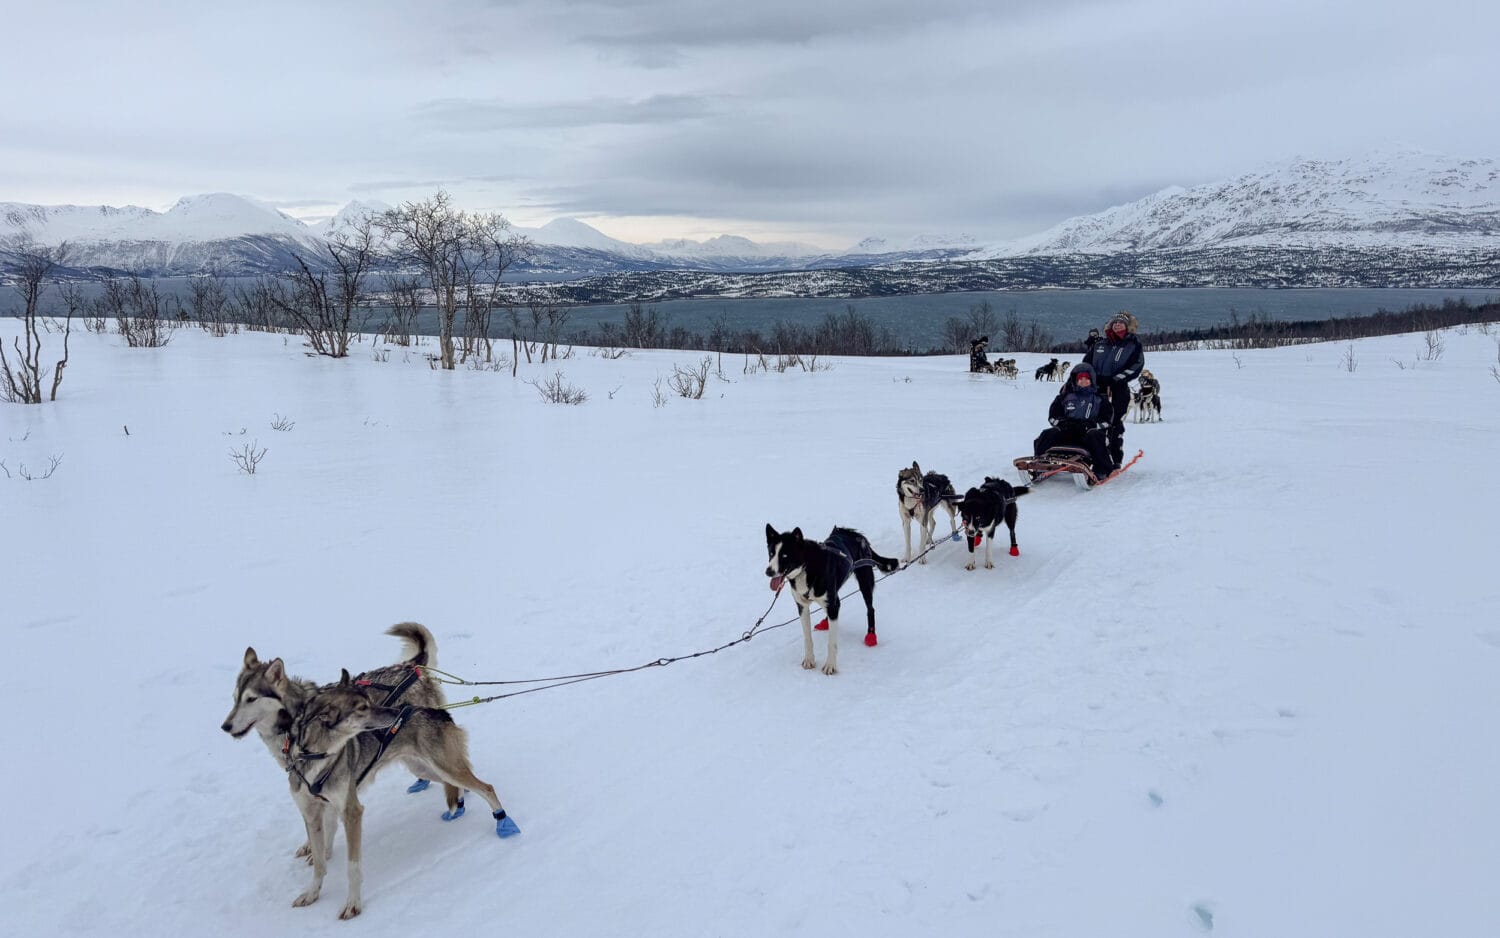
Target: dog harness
[(384, 737)]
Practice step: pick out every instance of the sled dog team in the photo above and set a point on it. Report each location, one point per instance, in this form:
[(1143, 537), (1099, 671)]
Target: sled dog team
[(334, 738)]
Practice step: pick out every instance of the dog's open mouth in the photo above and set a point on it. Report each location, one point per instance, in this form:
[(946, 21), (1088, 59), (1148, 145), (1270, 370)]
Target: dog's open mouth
[(776, 582)]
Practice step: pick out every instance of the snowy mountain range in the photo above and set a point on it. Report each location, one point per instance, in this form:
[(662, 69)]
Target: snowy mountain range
[(1391, 201), (1396, 199)]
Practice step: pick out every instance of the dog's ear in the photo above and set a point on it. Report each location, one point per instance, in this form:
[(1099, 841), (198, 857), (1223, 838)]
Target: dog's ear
[(915, 467), (797, 533), (344, 679), (770, 533), (250, 659), (276, 671)]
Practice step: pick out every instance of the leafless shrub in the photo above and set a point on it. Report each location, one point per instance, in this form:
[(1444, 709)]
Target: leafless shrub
[(1495, 372), (253, 305), (208, 303), (690, 382), (406, 302), (248, 457), (556, 390), (1348, 360), (322, 302), (142, 316), (610, 352), (52, 463), (21, 381), (281, 423), (1237, 363), (1401, 364), (1435, 346), (380, 354)]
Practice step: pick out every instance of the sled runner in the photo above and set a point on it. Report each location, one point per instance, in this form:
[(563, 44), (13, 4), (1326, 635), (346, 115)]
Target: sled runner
[(1073, 460)]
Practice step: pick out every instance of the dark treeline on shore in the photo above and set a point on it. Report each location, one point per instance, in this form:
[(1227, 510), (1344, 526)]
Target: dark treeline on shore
[(1261, 332), (846, 333), (850, 333)]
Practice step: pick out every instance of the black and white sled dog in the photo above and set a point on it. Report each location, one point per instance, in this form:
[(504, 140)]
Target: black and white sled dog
[(816, 571), (268, 700), (1148, 399), (983, 509), (342, 739), (918, 498), (1047, 372)]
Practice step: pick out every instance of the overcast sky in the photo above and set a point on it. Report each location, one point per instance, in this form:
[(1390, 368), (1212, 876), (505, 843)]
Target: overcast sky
[(815, 120)]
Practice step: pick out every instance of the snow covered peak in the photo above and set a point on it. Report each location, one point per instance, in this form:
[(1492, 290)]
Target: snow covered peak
[(219, 215), (349, 215), (731, 246), (1394, 197), (921, 242), (570, 232)]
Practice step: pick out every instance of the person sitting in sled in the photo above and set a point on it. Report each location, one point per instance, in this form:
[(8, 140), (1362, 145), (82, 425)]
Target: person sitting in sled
[(978, 361), (1080, 416), (1117, 361)]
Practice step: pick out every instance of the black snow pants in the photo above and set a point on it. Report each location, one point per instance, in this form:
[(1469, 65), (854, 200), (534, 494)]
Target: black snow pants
[(1095, 441)]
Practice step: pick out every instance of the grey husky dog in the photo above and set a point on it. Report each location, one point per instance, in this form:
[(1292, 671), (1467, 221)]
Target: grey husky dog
[(268, 700), (918, 498), (342, 738)]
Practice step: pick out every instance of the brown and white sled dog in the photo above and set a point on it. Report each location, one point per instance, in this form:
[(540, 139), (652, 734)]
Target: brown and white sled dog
[(268, 700), (341, 740), (816, 571), (918, 498), (984, 509)]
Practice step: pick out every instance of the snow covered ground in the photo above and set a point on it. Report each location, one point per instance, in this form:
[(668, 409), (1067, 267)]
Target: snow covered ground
[(1248, 689)]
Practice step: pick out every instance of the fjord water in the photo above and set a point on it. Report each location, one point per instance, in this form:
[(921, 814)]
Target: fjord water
[(917, 320)]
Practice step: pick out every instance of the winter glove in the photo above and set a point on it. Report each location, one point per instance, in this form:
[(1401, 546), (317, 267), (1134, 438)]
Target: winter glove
[(1052, 420)]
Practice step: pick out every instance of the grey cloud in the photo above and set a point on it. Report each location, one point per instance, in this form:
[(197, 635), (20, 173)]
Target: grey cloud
[(476, 116)]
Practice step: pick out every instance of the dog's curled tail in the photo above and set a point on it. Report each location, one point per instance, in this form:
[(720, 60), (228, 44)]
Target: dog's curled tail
[(885, 564), (1019, 490), (420, 646)]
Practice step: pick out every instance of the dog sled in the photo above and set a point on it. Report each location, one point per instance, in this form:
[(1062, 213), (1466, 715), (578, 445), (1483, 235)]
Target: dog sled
[(1072, 460)]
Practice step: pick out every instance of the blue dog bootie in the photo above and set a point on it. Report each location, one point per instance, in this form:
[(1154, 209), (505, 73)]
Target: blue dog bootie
[(504, 826), (456, 813), (420, 784)]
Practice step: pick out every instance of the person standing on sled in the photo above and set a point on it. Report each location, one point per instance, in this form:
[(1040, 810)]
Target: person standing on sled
[(1088, 344), (1080, 416), (1117, 361)]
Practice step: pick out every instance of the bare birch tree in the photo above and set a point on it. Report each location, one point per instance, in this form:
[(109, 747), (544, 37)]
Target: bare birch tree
[(322, 302), (35, 267), (463, 257)]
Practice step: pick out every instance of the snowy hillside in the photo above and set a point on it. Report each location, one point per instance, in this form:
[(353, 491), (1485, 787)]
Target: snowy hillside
[(218, 231), (1246, 690), (1400, 199)]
